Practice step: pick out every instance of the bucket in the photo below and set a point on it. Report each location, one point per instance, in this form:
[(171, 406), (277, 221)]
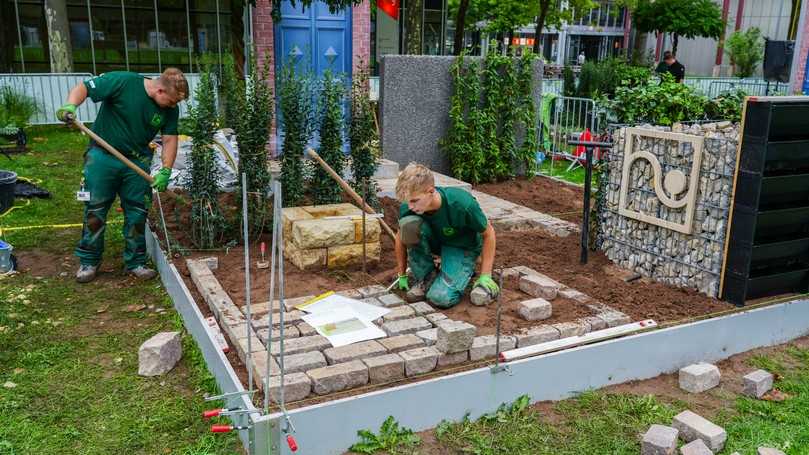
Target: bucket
[(6, 260), (7, 181)]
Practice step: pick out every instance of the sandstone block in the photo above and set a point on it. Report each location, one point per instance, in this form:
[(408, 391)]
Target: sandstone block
[(306, 259), (321, 233), (422, 308), (289, 332), (456, 358), (757, 383), (699, 377), (485, 346), (305, 329), (534, 309), (343, 354), (659, 440), (159, 354), (297, 386), (290, 215), (384, 368), (570, 329), (693, 426), (429, 336), (374, 290), (536, 335), (614, 318), (300, 344), (372, 230), (351, 255), (390, 300), (420, 360), (338, 377), (695, 448), (405, 326), (401, 312), (303, 362), (435, 317), (454, 336), (480, 297), (593, 323), (401, 342), (539, 286)]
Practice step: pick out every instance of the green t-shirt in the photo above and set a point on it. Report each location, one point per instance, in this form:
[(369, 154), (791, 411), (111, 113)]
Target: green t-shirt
[(459, 222), (128, 118)]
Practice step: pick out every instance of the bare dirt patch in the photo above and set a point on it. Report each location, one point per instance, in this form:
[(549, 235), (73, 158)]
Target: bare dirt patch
[(541, 194)]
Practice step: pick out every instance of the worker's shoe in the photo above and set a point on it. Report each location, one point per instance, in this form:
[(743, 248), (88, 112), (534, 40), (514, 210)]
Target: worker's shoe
[(142, 273), (418, 290), (86, 273)]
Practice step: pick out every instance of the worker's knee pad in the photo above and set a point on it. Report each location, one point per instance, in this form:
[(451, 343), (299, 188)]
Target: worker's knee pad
[(410, 230)]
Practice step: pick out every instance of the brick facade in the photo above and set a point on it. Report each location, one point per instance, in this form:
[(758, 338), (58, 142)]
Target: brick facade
[(802, 54), (361, 35)]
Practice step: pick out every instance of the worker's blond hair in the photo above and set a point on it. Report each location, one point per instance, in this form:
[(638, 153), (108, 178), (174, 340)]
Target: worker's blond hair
[(415, 178), (173, 81)]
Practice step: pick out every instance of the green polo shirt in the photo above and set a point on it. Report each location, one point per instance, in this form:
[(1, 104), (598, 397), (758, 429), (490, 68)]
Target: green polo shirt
[(459, 222), (128, 118)]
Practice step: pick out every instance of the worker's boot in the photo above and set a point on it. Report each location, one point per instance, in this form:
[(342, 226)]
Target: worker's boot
[(86, 273), (142, 273)]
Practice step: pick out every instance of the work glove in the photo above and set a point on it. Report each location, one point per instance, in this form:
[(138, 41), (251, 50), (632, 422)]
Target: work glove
[(161, 180), (403, 285), (486, 282), (66, 113)]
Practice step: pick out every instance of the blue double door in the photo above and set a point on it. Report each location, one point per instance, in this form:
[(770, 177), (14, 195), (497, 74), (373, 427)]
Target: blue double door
[(313, 39)]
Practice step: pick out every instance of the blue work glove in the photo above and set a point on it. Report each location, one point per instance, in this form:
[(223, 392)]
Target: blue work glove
[(66, 113), (486, 282), (161, 180), (402, 283)]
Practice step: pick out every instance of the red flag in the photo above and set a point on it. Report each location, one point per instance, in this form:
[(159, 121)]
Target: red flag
[(391, 7)]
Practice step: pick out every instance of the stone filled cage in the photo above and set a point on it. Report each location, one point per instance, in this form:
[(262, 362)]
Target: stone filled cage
[(676, 237)]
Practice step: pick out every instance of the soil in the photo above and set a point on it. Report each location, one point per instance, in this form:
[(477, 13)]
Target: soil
[(543, 194)]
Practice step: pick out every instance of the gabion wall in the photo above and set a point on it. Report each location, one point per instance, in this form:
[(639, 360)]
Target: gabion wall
[(686, 260)]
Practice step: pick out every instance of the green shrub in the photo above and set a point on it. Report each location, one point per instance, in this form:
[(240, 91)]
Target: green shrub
[(746, 50), (16, 109), (726, 106), (202, 181), (661, 104), (363, 138), (603, 78), (332, 94), (568, 81), (295, 98)]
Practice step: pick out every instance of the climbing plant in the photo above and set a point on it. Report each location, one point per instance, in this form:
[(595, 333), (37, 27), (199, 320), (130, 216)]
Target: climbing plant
[(252, 133), (492, 133), (334, 5), (231, 99), (295, 98), (207, 222), (332, 93), (363, 138)]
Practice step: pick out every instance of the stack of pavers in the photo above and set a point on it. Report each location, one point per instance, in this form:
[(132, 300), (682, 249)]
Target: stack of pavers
[(329, 236)]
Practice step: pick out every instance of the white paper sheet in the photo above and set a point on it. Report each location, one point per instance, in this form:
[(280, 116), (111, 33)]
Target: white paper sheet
[(337, 302), (342, 326)]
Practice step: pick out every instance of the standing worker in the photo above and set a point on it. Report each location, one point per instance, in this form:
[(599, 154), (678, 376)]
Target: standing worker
[(444, 222), (670, 65), (133, 110)]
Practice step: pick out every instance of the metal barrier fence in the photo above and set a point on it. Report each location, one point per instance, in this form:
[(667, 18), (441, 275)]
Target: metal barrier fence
[(49, 91), (713, 86), (570, 117)]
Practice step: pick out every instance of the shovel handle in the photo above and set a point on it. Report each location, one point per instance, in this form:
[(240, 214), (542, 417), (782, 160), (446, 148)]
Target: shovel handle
[(104, 144)]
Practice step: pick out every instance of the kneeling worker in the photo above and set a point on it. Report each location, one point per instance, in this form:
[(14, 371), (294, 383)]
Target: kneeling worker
[(445, 222)]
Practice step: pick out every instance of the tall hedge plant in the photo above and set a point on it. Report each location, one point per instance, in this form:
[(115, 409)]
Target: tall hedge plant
[(202, 181), (297, 116), (363, 138), (332, 96)]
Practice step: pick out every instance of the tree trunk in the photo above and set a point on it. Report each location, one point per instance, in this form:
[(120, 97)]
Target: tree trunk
[(543, 12), (460, 23), (61, 52), (415, 11), (8, 38), (674, 40)]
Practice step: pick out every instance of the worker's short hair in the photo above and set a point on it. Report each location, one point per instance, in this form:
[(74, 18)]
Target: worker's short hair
[(667, 55), (415, 178), (173, 81)]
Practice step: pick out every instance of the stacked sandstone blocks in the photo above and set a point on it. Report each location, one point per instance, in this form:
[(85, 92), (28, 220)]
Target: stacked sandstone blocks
[(329, 236)]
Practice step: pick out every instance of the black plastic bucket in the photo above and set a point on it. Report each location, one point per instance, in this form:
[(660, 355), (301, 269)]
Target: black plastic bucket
[(7, 181)]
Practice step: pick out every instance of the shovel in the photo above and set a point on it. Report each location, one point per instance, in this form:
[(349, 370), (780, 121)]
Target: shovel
[(263, 263)]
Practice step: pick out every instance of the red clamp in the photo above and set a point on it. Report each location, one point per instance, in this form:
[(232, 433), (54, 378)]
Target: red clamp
[(293, 445), (226, 428)]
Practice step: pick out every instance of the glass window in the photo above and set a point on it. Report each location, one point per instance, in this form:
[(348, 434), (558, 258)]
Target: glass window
[(34, 39)]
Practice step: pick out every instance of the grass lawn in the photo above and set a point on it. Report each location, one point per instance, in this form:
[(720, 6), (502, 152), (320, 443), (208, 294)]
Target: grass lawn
[(558, 169), (69, 356)]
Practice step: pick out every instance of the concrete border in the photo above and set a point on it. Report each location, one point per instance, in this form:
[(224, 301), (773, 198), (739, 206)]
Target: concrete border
[(330, 428)]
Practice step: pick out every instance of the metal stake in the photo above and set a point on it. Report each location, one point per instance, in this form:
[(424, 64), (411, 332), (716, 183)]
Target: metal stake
[(276, 204), (497, 367), (247, 282), (364, 253), (163, 220)]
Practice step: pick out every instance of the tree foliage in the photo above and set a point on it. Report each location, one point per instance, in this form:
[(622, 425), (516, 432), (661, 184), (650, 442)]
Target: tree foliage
[(334, 5), (363, 137), (552, 13), (492, 134), (686, 18), (202, 181), (332, 95), (659, 104), (746, 50), (295, 98)]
